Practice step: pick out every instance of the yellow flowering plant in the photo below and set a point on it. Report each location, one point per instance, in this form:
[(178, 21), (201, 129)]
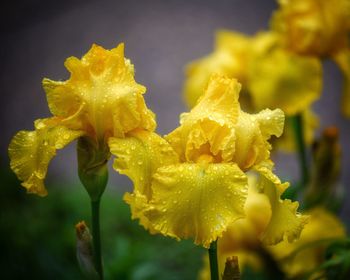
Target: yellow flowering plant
[(193, 183), (99, 101)]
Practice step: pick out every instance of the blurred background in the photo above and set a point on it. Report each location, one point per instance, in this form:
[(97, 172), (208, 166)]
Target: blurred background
[(161, 37)]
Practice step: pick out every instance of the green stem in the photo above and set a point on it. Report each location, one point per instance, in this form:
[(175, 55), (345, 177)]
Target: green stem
[(213, 261), (95, 211), (298, 128)]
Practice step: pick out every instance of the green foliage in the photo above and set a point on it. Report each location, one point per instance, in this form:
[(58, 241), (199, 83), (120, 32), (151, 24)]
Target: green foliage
[(337, 264), (38, 240)]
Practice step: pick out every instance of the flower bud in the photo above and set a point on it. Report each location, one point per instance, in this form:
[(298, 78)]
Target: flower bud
[(84, 251), (231, 271)]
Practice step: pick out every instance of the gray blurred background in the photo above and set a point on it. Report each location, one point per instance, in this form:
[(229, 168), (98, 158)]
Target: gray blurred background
[(160, 37)]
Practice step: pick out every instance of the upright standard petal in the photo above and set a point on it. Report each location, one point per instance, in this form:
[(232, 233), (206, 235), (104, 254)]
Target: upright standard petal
[(101, 95), (208, 128), (31, 152), (217, 127), (197, 200), (252, 134)]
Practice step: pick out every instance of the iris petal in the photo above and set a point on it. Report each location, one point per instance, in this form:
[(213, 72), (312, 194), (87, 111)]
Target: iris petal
[(209, 125), (285, 220), (198, 201), (31, 152), (252, 135), (139, 155)]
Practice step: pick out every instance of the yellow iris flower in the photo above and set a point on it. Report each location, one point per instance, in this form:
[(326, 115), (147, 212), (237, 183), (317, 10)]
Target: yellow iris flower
[(100, 100), (304, 254), (313, 27), (193, 185)]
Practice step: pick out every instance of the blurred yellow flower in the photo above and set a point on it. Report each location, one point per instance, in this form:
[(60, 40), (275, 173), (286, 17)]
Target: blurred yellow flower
[(313, 27), (271, 76), (228, 58), (100, 100), (319, 28), (176, 181), (307, 252), (280, 79)]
